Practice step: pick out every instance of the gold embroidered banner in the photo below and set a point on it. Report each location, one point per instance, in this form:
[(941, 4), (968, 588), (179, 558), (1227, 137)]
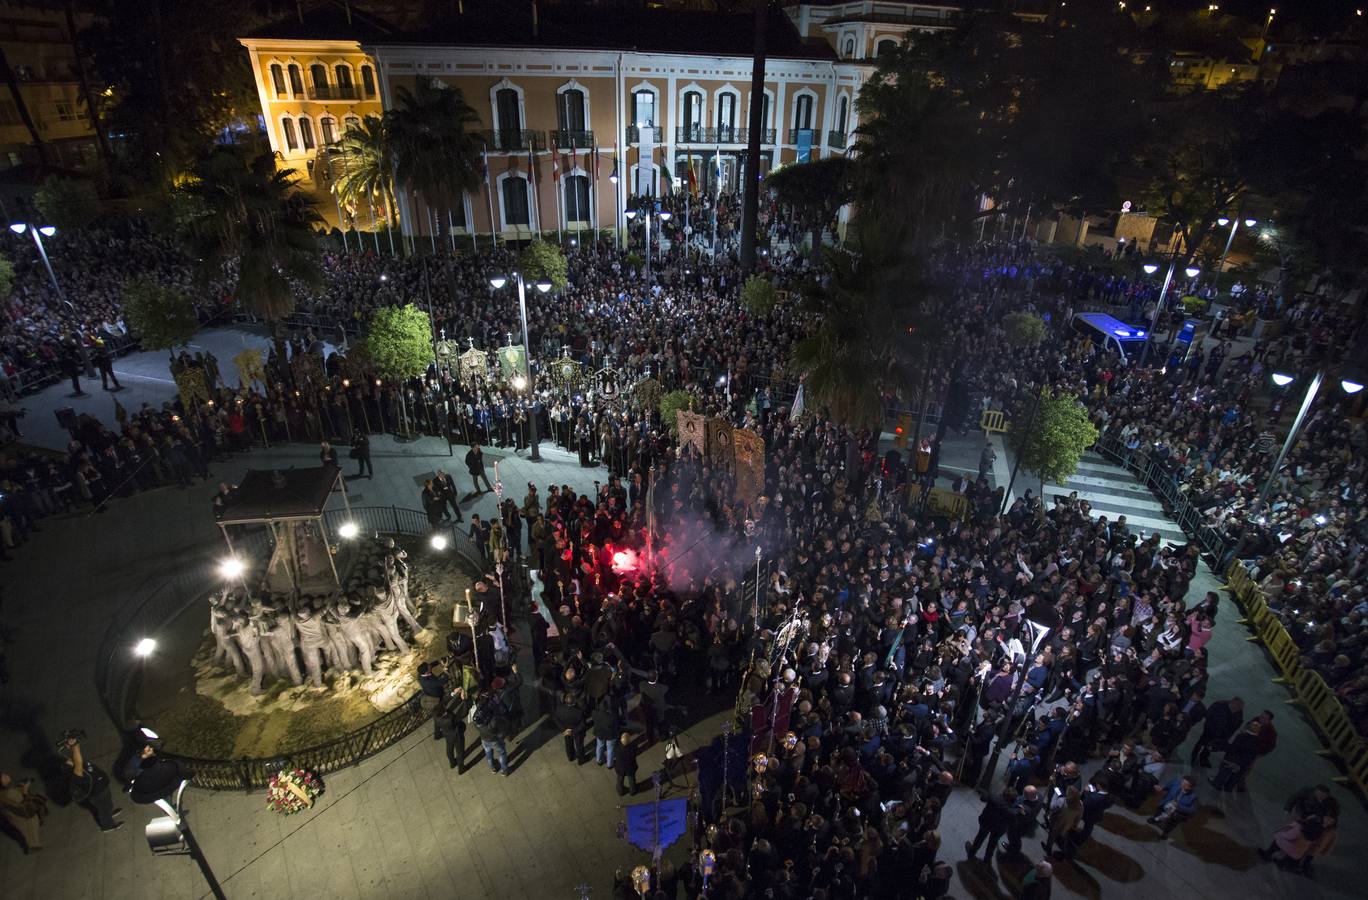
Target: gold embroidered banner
[(749, 452), (193, 388), (474, 367), (250, 367), (306, 369), (720, 443), (692, 429)]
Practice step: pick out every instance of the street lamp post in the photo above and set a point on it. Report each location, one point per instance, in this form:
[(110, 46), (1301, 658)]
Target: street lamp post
[(543, 285), (646, 213), (1150, 269), (437, 362), (39, 232), (1234, 223)]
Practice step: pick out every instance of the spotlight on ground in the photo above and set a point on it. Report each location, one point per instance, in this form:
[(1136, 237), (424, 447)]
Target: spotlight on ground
[(348, 530), (144, 648), (438, 542)]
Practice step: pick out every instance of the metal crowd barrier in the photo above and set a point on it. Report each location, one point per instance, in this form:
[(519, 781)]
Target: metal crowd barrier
[(1308, 687), (118, 670)]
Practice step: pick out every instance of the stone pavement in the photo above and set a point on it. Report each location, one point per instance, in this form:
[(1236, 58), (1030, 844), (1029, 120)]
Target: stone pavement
[(402, 825)]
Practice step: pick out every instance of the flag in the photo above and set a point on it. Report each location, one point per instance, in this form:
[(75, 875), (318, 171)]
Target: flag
[(692, 179), (555, 165)]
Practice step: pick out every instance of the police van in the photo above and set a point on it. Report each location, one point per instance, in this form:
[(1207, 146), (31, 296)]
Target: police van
[(1111, 334)]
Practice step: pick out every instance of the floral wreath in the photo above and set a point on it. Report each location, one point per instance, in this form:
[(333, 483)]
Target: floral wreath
[(292, 790)]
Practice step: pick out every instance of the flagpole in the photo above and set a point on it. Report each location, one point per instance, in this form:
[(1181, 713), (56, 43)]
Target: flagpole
[(717, 194), (451, 229), (556, 189), (489, 196)]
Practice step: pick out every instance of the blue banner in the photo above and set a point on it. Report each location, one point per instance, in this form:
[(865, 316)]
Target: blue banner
[(647, 828), (804, 144)]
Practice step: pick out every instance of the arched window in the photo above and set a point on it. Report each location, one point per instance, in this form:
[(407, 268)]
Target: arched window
[(296, 81), (278, 79), (887, 45), (509, 116), (726, 117), (306, 133), (644, 109), (350, 123), (368, 81), (849, 48), (570, 110), (318, 74), (842, 114), (327, 127), (342, 72), (802, 112), (577, 199), (515, 208), (692, 118), (287, 125)]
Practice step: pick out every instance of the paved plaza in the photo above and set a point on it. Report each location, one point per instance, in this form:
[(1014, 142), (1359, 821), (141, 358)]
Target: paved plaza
[(401, 824)]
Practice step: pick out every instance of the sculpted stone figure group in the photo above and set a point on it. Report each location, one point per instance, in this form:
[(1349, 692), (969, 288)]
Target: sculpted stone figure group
[(269, 636)]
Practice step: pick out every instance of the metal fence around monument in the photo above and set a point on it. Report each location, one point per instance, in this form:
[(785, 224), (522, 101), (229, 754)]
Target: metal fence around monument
[(119, 671)]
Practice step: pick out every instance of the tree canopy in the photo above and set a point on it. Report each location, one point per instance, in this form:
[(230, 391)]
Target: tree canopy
[(1024, 329), (1052, 446), (815, 191), (68, 203), (539, 260), (399, 341), (161, 315)]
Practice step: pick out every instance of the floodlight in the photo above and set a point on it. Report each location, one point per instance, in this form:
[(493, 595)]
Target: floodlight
[(438, 542), (144, 648), (232, 567), (348, 530)]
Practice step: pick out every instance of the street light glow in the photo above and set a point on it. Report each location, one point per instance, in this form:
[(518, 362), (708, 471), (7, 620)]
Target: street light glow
[(1250, 223), (665, 215), (1282, 379), (144, 648), (630, 214), (47, 230), (438, 542), (232, 567), (1150, 268), (18, 227), (498, 281), (543, 285), (1192, 271), (1350, 386), (348, 530), (1223, 221), (519, 383)]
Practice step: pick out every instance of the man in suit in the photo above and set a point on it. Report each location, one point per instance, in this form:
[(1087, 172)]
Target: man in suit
[(474, 461), (994, 820), (1221, 722), (446, 492)]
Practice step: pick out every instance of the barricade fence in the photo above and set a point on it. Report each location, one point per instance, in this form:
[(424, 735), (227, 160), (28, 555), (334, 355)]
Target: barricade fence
[(118, 670), (1309, 689)]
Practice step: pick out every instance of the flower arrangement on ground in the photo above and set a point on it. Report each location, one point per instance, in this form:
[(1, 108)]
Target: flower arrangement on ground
[(293, 790)]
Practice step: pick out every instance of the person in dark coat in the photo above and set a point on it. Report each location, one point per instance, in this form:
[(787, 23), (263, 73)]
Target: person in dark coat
[(451, 723), (361, 452), (1240, 754), (1220, 724), (570, 719), (625, 765), (994, 820)]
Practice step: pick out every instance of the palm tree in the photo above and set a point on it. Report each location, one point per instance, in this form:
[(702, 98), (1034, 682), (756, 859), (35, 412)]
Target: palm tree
[(366, 156), (435, 150), (243, 214)]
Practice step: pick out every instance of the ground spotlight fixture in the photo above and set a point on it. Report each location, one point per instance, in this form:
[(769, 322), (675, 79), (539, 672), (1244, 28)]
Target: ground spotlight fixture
[(1281, 379), (1150, 268), (438, 542), (144, 648), (497, 282), (348, 530), (232, 567)]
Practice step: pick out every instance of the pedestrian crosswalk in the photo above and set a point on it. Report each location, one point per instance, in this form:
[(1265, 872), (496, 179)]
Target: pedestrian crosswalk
[(1112, 491)]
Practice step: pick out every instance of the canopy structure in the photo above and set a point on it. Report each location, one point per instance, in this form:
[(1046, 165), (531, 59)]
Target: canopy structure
[(291, 503)]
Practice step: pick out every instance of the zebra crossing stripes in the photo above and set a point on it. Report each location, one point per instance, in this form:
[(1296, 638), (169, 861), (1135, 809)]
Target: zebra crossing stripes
[(1112, 491)]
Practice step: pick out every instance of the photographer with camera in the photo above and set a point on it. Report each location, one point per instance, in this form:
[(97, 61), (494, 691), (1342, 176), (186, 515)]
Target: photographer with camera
[(89, 783)]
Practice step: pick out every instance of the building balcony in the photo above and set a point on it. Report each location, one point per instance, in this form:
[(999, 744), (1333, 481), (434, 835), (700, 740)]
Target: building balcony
[(634, 133), (837, 140), (691, 134), (513, 141), (335, 92), (815, 133), (581, 140)]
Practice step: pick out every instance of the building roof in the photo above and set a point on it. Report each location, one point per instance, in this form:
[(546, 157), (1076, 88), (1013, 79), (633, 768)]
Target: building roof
[(326, 21), (300, 494), (614, 28)]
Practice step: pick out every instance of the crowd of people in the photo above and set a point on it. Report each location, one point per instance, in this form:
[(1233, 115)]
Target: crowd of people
[(885, 654)]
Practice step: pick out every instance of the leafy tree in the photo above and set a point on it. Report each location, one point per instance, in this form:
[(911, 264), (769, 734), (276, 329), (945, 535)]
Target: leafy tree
[(364, 168), (1052, 445), (1024, 329), (68, 203), (541, 259), (758, 295), (162, 316), (670, 404), (816, 191), (240, 211), (399, 341), (6, 278), (435, 150)]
